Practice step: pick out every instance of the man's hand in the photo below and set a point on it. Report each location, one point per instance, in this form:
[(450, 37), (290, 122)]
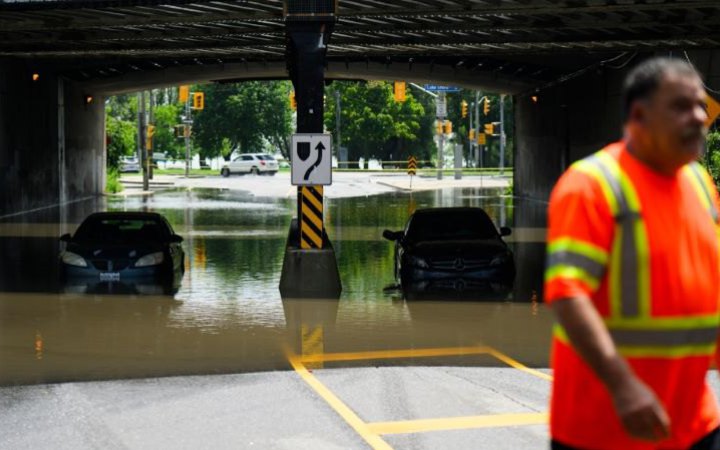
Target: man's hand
[(640, 412)]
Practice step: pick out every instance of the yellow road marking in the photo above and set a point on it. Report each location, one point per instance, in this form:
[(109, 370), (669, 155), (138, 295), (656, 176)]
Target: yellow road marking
[(393, 354), (372, 438), (458, 423), (517, 365)]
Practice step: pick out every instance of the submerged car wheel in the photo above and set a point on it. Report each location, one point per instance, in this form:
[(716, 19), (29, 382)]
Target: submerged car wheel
[(255, 171), (225, 172)]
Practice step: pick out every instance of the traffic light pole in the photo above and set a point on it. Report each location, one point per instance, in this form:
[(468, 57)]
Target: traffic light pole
[(470, 138), (187, 122), (478, 147), (150, 138), (502, 133)]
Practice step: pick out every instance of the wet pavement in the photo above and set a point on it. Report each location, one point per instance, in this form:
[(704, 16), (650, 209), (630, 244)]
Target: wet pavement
[(228, 317)]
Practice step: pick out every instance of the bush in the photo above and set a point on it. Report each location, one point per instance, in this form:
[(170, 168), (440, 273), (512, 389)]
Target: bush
[(712, 156), (113, 185)]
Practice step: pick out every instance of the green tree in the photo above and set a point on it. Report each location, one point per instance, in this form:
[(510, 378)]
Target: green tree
[(712, 155), (243, 116), (164, 140), (373, 125), (121, 140)]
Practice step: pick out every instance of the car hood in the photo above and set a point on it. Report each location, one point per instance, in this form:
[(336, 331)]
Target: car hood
[(98, 250), (468, 249)]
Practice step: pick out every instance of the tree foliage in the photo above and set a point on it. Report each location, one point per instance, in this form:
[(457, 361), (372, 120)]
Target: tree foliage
[(372, 124), (243, 116)]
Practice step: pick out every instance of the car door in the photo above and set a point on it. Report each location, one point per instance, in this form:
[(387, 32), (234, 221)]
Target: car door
[(247, 163), (235, 165)]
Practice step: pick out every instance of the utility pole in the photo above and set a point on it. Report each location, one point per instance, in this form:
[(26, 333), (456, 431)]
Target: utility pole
[(470, 138), (188, 123), (142, 130), (502, 133), (337, 125), (441, 104), (478, 147), (151, 121)]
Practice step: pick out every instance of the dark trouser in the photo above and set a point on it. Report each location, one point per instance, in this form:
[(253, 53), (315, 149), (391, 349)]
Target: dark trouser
[(709, 442)]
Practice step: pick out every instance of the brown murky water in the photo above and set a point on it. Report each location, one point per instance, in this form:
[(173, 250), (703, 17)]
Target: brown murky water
[(227, 316)]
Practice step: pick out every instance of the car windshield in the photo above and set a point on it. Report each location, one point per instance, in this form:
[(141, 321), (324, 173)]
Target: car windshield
[(451, 225), (122, 230)]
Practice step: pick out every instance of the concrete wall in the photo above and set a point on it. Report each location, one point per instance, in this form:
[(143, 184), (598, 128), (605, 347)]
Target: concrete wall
[(572, 120), (51, 143)]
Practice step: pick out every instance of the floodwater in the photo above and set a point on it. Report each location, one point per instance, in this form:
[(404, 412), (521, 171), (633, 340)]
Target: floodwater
[(228, 317)]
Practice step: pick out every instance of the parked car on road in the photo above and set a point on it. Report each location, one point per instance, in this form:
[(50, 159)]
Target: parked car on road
[(257, 163), (123, 248), (129, 164), (451, 248)]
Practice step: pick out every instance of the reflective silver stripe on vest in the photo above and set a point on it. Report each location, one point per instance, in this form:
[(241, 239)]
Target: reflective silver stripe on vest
[(665, 338), (625, 218), (566, 257), (696, 171)]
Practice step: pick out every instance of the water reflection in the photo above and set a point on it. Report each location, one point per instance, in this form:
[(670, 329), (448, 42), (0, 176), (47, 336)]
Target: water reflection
[(227, 315)]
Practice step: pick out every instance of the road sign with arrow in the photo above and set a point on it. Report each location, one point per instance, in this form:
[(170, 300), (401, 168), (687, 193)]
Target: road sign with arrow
[(311, 159)]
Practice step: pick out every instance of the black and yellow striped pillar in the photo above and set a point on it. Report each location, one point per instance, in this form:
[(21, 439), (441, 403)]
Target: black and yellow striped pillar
[(311, 217)]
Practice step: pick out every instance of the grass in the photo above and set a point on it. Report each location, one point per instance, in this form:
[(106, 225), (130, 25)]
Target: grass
[(113, 185)]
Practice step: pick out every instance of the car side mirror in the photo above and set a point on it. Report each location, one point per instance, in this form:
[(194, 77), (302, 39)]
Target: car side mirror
[(175, 239), (65, 238), (505, 231), (392, 235)]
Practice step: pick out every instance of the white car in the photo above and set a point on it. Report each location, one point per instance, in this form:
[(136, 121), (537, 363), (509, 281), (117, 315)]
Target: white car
[(129, 164), (257, 163)]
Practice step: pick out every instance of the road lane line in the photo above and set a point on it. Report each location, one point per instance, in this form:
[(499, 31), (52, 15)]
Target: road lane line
[(397, 354), (517, 365), (458, 423), (373, 439)]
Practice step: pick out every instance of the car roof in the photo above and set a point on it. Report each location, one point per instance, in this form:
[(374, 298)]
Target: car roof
[(450, 209), (125, 215)]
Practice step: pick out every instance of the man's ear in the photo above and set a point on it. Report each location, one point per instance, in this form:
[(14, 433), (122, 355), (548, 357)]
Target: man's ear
[(637, 113)]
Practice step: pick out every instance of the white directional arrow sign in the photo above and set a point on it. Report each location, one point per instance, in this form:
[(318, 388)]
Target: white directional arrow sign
[(311, 159)]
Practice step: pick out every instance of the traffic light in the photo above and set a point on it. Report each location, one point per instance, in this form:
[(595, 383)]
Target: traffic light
[(448, 127), (489, 129), (150, 131), (399, 91), (198, 100), (293, 103), (179, 131), (439, 126), (481, 139), (486, 108), (464, 109), (471, 135), (183, 93)]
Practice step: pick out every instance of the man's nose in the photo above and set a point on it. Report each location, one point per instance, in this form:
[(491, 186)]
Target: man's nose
[(700, 114)]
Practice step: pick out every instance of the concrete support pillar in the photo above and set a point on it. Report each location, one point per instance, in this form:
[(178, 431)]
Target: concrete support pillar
[(308, 272)]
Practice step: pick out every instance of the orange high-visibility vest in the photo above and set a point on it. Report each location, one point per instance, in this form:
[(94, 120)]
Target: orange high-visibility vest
[(606, 241)]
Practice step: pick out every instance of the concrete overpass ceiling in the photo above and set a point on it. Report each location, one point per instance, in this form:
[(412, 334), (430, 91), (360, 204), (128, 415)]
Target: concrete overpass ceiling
[(502, 43)]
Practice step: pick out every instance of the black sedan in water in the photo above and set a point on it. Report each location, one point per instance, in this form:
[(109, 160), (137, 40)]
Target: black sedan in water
[(124, 252), (452, 249)]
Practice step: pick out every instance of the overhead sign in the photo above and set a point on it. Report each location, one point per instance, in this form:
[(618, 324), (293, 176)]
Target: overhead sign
[(439, 88), (440, 107), (311, 159)]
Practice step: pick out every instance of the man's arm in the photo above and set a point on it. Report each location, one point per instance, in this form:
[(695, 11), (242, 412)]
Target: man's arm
[(639, 410)]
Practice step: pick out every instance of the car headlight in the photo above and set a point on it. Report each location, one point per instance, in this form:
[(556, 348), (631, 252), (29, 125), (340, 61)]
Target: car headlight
[(500, 259), (153, 259), (73, 259), (418, 262)]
